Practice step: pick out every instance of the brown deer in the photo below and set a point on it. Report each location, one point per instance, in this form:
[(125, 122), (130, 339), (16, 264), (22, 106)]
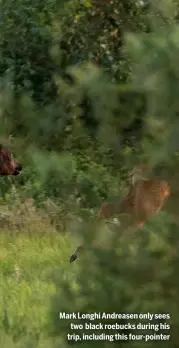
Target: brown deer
[(8, 165), (145, 198)]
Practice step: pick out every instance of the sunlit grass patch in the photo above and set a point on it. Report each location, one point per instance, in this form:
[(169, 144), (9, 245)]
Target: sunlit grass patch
[(28, 266)]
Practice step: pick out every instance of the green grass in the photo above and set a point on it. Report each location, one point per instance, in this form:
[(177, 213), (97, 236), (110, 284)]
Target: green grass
[(37, 280), (28, 262)]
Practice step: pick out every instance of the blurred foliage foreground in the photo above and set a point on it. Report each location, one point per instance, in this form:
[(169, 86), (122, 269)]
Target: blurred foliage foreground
[(71, 139)]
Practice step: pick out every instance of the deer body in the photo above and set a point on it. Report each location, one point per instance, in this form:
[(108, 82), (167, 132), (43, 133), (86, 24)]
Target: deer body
[(8, 165), (145, 199)]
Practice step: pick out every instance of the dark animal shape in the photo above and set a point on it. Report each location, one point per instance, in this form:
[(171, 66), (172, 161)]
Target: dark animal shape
[(8, 165)]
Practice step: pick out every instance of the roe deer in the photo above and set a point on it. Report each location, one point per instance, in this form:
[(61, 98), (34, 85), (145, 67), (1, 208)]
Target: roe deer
[(8, 165), (145, 198)]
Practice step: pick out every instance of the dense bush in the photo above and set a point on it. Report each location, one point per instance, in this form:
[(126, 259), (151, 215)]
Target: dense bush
[(139, 275)]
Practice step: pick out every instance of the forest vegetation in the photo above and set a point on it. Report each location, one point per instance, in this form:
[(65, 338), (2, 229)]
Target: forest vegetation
[(88, 90)]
